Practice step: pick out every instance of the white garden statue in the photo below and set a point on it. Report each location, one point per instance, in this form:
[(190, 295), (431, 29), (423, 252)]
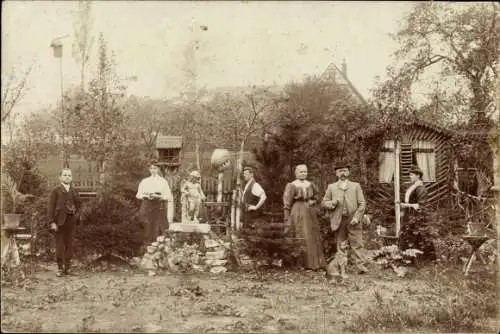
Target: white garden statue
[(192, 197)]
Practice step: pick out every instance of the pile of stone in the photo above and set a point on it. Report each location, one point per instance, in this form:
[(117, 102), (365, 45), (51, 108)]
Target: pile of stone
[(161, 255), (216, 254)]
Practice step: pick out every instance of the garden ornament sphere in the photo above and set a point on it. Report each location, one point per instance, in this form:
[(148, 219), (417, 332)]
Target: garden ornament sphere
[(221, 159)]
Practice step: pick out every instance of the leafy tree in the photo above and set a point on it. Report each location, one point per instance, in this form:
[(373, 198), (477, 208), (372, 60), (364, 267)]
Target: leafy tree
[(316, 124), (98, 114), (83, 37), (317, 106), (461, 40), (145, 118), (36, 138)]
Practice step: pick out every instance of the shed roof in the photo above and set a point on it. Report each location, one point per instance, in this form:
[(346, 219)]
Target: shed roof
[(168, 141), (378, 129)]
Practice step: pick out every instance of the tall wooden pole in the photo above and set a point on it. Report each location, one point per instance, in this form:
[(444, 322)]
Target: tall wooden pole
[(397, 151)]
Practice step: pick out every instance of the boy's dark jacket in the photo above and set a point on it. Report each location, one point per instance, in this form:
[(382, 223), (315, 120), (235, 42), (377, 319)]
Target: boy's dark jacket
[(58, 209)]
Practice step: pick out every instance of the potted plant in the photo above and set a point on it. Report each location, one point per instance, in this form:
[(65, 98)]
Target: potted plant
[(11, 216)]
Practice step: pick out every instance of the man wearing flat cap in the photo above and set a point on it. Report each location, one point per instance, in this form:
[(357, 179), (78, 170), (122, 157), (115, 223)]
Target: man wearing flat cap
[(346, 204), (253, 196)]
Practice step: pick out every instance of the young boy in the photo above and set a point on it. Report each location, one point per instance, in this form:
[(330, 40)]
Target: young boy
[(63, 212)]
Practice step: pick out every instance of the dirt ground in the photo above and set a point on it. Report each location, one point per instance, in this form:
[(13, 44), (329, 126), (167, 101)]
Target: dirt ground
[(271, 301)]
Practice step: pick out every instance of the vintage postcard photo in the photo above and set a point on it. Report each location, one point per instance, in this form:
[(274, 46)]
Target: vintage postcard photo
[(250, 166)]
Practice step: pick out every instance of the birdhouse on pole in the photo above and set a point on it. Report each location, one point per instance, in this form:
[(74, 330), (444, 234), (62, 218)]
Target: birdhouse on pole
[(169, 149), (57, 48)]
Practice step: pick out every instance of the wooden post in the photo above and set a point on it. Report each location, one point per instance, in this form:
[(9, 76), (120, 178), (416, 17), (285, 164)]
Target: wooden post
[(233, 210), (170, 204), (396, 186), (238, 186), (220, 179)]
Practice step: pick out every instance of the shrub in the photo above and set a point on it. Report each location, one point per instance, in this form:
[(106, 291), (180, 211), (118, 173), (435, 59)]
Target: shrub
[(398, 260), (24, 173), (109, 225), (35, 219), (265, 240)]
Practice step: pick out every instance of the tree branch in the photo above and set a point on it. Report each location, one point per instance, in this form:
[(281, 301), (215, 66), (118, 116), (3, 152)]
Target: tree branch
[(12, 95)]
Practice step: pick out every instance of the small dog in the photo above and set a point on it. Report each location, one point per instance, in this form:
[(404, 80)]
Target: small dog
[(336, 267)]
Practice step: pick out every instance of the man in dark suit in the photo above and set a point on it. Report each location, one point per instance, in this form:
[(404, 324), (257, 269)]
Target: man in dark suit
[(63, 212)]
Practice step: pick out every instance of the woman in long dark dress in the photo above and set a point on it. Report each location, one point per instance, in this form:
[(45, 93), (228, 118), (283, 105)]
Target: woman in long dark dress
[(415, 232), (299, 199)]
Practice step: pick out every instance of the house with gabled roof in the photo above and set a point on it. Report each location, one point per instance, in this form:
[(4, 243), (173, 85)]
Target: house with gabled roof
[(339, 76)]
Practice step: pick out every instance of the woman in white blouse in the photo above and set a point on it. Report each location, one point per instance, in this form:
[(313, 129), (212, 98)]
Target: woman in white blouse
[(153, 191)]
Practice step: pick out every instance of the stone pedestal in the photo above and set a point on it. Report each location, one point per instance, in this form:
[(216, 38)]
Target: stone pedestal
[(190, 228)]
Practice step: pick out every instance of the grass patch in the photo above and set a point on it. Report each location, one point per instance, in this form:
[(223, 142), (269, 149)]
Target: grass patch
[(461, 305)]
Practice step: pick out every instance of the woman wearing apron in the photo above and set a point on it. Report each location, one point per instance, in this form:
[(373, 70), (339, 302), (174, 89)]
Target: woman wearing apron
[(153, 191)]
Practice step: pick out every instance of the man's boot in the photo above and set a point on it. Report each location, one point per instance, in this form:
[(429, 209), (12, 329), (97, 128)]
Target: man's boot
[(67, 267), (60, 268)]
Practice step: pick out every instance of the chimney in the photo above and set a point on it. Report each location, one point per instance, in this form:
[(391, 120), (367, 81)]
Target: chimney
[(344, 68)]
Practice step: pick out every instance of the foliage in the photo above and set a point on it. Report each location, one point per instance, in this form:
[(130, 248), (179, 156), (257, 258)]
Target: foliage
[(35, 138), (24, 172), (20, 182), (313, 106), (13, 89), (395, 258), (265, 240), (274, 179), (97, 116), (240, 117), (35, 218), (109, 225), (83, 36), (146, 118), (127, 168), (462, 41)]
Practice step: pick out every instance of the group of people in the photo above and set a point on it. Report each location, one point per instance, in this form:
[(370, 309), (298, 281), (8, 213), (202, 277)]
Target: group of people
[(345, 204), (344, 201)]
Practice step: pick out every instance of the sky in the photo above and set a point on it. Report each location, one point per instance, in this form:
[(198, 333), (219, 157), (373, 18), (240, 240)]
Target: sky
[(246, 43)]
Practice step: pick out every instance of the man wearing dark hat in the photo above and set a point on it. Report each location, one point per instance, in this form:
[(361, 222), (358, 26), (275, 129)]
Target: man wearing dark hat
[(253, 196), (346, 204)]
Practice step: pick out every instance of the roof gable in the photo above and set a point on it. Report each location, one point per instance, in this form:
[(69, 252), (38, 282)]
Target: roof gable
[(168, 141), (334, 74)]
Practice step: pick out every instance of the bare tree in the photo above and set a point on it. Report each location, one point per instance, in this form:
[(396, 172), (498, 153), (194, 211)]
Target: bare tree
[(13, 89), (238, 119), (83, 38)]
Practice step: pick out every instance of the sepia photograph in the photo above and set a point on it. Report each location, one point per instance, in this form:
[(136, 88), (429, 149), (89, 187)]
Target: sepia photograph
[(250, 166)]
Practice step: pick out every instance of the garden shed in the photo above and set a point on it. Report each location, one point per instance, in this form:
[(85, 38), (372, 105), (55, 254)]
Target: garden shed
[(441, 154), (419, 144)]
